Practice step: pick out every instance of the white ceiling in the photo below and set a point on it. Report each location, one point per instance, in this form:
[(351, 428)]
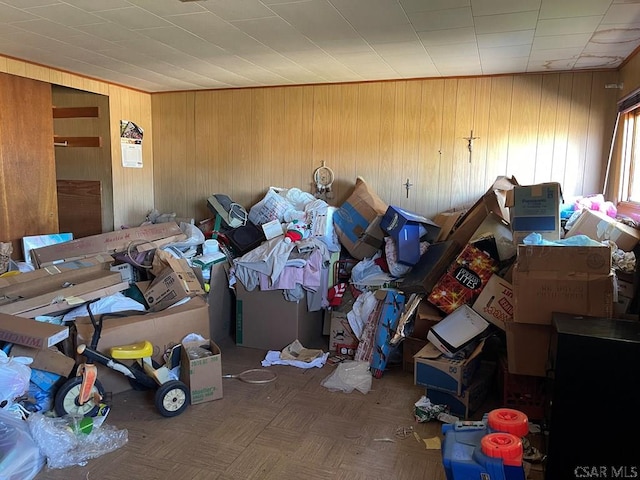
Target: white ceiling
[(164, 45)]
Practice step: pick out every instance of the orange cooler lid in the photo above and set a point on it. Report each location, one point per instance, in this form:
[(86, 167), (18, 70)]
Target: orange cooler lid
[(506, 446), (508, 420)]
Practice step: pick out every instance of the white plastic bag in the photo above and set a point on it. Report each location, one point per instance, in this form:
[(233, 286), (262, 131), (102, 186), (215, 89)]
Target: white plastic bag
[(14, 377), (20, 457), (273, 206), (349, 375)]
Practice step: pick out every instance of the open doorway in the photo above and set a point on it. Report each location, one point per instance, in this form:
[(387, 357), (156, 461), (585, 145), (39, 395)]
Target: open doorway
[(83, 161)]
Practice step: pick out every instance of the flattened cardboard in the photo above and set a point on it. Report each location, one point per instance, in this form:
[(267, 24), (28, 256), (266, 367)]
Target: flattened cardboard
[(600, 227), (202, 375), (30, 333), (48, 360), (447, 222), (105, 243), (41, 273), (57, 300)]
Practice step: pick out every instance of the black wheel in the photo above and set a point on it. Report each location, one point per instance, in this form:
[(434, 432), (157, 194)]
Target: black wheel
[(66, 399), (172, 398)]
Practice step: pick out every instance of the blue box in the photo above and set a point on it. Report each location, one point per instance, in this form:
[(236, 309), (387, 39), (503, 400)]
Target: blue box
[(433, 370), (471, 398), (405, 227), (45, 380), (392, 307), (535, 208)]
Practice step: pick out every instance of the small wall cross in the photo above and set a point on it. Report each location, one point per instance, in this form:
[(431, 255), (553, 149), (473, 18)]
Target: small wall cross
[(470, 140)]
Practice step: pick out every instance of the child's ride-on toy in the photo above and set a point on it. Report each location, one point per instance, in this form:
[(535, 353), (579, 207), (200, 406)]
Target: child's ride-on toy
[(83, 393)]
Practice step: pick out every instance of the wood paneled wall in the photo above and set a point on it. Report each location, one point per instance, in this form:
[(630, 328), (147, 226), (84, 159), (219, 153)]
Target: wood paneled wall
[(132, 187), (536, 127)]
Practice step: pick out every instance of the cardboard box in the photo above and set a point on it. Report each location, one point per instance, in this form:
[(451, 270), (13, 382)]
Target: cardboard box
[(405, 228), (457, 330), (426, 317), (391, 307), (163, 329), (494, 200), (535, 258), (175, 282), (496, 303), (30, 333), (464, 280), (201, 373), (266, 320), (600, 227), (528, 348), (411, 346), (535, 208), (357, 221), (447, 222), (497, 227), (432, 265), (433, 370), (539, 294), (221, 303), (471, 398), (341, 333)]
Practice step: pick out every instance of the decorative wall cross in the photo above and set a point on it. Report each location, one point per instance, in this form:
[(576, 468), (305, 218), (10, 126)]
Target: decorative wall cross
[(470, 140)]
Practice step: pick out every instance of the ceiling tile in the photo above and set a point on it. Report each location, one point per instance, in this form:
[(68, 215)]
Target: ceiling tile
[(552, 41), (524, 37), (275, 33), (504, 53), (233, 10), (9, 15), (550, 65), (572, 8), (622, 13), (414, 48), (30, 3), (445, 37), (165, 8), (371, 13), (507, 22), (133, 18), (442, 19), (496, 7), (597, 61), (393, 33), (563, 26), (504, 65), (65, 15), (183, 41), (317, 20), (412, 6), (556, 54), (97, 5), (48, 29), (214, 30), (452, 51), (110, 31)]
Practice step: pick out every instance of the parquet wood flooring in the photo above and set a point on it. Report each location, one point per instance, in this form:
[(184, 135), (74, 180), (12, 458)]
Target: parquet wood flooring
[(291, 428)]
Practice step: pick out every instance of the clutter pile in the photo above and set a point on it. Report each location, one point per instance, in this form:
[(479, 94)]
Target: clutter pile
[(460, 300)]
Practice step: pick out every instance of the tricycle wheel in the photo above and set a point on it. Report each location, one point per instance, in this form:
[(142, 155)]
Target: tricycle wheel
[(172, 398), (66, 399)]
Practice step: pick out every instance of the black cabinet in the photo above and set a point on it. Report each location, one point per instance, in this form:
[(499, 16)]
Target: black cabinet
[(594, 419)]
